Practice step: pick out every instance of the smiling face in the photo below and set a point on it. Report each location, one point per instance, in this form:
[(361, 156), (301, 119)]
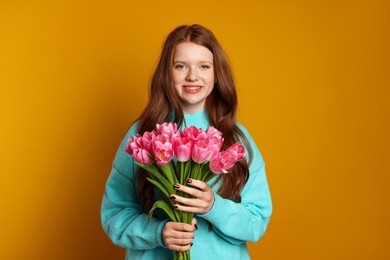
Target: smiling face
[(193, 75)]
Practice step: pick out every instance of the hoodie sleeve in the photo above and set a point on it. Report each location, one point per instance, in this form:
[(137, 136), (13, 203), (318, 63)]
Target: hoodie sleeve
[(248, 220), (122, 216)]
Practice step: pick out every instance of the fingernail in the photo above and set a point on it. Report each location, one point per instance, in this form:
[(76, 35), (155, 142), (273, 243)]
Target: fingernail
[(196, 227), (192, 244), (175, 206), (176, 186), (172, 197), (189, 181)]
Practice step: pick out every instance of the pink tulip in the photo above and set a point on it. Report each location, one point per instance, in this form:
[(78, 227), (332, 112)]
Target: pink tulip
[(163, 157), (221, 163), (237, 151), (137, 151), (146, 141), (133, 143), (182, 148), (216, 140), (162, 149), (194, 133), (212, 131), (166, 128), (214, 145), (200, 151), (142, 156)]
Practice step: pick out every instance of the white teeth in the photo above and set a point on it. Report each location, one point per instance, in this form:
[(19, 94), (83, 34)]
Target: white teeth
[(192, 88)]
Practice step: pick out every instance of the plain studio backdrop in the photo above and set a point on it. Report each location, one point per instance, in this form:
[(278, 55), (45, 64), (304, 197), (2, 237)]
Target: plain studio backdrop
[(313, 85)]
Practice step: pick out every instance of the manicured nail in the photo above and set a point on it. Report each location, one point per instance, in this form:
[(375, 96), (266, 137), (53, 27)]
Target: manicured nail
[(196, 227), (175, 206), (189, 181), (192, 244), (172, 197), (176, 186)]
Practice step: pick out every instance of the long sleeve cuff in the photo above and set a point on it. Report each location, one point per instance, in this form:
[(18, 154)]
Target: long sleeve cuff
[(159, 231), (214, 214)]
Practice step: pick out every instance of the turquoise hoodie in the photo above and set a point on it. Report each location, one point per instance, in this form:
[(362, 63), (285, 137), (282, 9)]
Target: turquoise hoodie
[(233, 224)]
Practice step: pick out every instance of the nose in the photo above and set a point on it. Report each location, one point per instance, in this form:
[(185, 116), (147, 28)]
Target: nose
[(192, 74)]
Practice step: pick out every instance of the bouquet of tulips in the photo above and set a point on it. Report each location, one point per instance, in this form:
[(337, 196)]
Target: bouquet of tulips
[(171, 156)]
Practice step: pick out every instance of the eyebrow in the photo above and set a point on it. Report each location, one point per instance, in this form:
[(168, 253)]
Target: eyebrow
[(203, 61)]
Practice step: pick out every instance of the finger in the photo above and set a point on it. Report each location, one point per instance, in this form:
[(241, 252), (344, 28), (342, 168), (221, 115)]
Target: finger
[(194, 205), (189, 190), (180, 248), (180, 241), (181, 227), (198, 184), (175, 238), (181, 235), (188, 208), (185, 201), (194, 223), (193, 226)]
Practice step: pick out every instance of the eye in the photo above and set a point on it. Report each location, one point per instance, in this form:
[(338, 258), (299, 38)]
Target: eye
[(205, 66), (180, 66)]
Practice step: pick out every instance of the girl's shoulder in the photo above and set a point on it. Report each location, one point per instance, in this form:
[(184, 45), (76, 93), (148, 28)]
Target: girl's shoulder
[(132, 130), (242, 127), (257, 157), (245, 132)]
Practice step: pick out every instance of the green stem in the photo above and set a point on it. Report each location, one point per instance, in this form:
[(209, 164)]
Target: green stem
[(181, 164), (187, 169), (179, 256), (184, 216), (193, 170), (168, 172)]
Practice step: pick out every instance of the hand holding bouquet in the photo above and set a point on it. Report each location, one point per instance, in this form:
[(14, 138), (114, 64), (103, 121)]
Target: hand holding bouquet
[(172, 157)]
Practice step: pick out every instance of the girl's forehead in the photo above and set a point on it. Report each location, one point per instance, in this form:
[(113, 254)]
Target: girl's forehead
[(189, 50)]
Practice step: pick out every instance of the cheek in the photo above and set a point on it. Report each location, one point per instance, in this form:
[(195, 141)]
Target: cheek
[(177, 88), (210, 89), (175, 76), (211, 79)]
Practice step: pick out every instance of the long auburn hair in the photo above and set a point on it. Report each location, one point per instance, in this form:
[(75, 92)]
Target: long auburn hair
[(220, 108)]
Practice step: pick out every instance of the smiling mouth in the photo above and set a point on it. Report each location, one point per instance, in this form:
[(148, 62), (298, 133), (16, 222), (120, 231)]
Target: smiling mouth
[(192, 89)]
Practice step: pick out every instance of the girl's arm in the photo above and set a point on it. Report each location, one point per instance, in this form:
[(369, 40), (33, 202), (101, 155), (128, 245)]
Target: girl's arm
[(245, 221), (248, 220), (123, 218), (235, 222)]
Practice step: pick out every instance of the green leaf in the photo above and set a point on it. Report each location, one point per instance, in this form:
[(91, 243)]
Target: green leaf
[(166, 199), (164, 182), (178, 166), (160, 204), (180, 171), (169, 172), (184, 216), (149, 168), (187, 170), (194, 171), (175, 179), (177, 213), (159, 186), (209, 176), (206, 173)]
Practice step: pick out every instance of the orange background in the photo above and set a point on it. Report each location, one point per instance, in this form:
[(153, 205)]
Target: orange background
[(313, 84)]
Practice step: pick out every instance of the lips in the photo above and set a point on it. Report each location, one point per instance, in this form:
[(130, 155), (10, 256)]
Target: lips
[(192, 89)]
